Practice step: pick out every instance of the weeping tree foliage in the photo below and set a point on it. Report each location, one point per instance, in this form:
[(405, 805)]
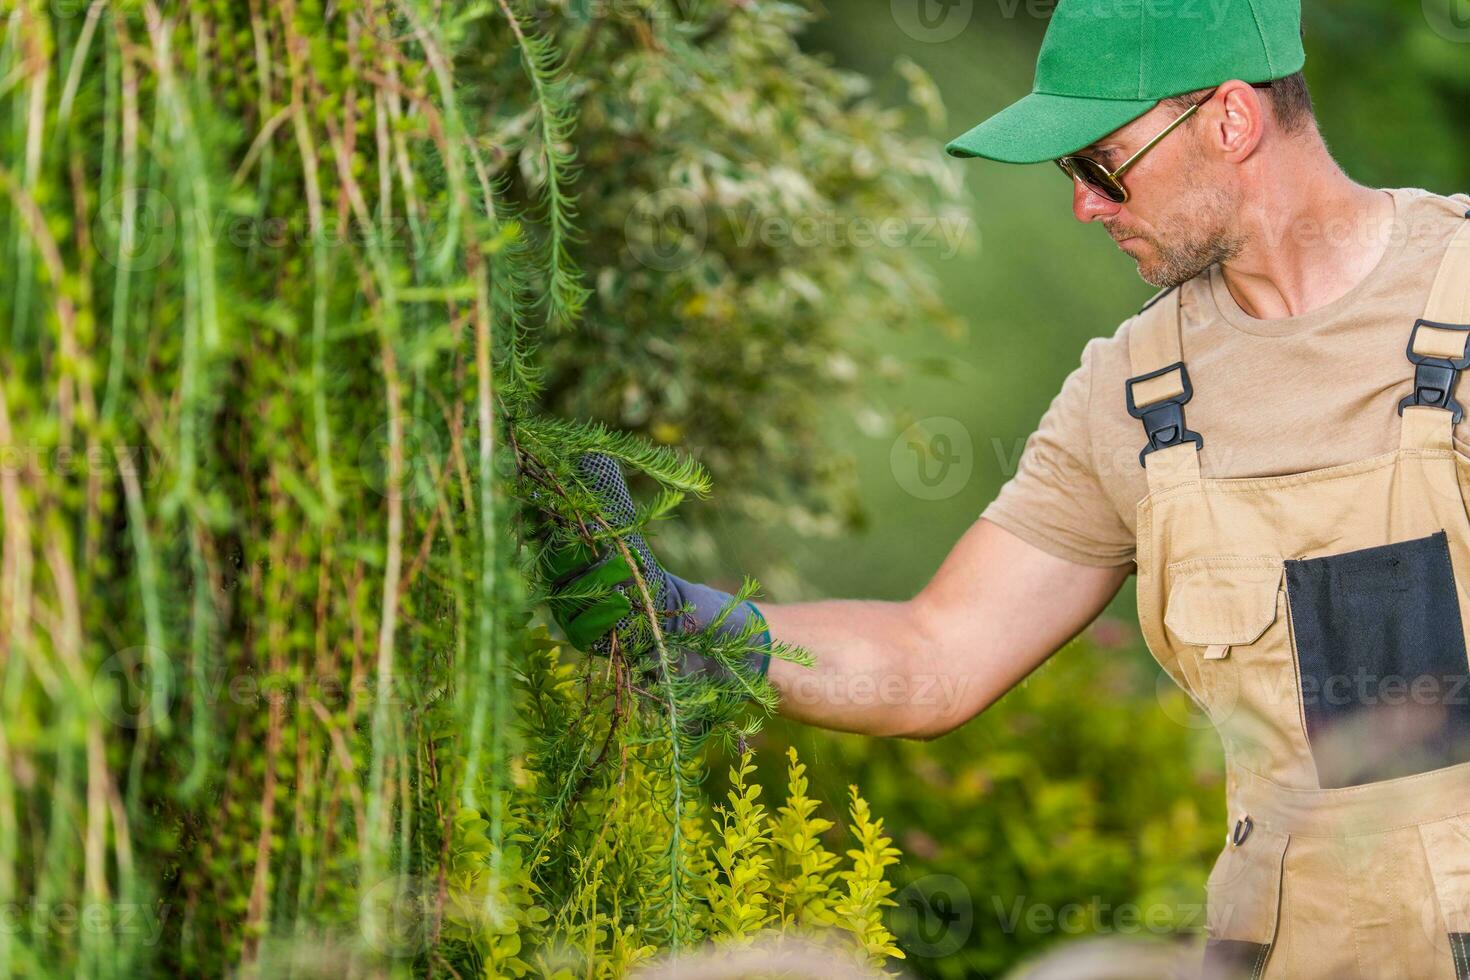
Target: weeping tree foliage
[(282, 279), (761, 216)]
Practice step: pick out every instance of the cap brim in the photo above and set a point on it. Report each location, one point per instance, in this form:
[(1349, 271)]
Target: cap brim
[(1042, 127)]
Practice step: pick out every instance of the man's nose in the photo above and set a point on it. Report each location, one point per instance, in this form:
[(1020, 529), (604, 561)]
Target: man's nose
[(1089, 205)]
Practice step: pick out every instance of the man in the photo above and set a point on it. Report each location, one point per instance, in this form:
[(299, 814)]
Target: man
[(1295, 517)]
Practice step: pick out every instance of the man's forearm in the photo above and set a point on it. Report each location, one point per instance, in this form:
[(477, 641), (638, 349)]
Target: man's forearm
[(996, 609), (876, 670)]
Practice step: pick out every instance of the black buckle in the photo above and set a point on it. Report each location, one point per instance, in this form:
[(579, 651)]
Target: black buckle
[(1163, 421), (1435, 377)]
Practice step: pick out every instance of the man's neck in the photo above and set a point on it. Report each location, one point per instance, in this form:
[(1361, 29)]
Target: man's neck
[(1309, 242)]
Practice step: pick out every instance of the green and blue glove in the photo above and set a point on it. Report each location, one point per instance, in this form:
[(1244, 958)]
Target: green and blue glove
[(594, 595)]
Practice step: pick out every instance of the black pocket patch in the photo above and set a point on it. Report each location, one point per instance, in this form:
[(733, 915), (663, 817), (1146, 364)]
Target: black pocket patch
[(1460, 947), (1233, 959), (1384, 682)]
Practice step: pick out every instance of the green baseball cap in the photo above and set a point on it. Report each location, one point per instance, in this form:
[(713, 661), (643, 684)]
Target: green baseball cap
[(1104, 63)]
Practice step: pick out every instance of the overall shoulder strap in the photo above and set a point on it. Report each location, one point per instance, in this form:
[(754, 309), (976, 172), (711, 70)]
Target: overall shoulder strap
[(1158, 391), (1153, 338), (1449, 300), (1439, 349)]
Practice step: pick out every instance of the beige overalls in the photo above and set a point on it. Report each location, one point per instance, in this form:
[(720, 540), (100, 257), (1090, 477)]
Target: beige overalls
[(1318, 618)]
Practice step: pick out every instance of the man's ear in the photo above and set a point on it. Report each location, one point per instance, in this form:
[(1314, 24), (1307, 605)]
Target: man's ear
[(1237, 121)]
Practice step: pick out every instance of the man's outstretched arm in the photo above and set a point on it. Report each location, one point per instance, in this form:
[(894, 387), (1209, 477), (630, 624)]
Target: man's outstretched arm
[(993, 612)]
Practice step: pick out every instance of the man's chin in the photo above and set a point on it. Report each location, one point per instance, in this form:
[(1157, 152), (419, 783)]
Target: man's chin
[(1137, 250), (1160, 275), (1154, 273), (1151, 267)]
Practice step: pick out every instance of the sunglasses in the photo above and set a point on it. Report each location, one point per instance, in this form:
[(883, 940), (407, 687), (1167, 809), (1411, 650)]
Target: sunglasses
[(1109, 183)]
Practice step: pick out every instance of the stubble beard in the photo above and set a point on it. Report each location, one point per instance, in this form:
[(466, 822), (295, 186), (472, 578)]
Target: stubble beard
[(1189, 242)]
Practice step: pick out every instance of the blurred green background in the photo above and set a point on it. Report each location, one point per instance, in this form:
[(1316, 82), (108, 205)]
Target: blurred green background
[(1092, 785)]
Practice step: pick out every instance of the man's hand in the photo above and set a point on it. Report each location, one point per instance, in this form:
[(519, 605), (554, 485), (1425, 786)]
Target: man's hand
[(594, 594)]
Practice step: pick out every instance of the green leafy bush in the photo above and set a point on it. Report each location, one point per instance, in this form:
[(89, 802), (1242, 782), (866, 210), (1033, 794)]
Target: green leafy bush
[(1088, 801), (272, 682), (591, 890), (754, 206)]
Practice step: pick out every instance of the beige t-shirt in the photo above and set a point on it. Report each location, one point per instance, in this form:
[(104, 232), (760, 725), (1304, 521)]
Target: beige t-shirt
[(1271, 397)]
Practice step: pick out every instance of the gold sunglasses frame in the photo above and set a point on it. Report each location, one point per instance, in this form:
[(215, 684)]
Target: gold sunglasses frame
[(1114, 177)]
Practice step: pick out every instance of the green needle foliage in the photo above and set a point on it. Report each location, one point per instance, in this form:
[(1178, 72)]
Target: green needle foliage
[(274, 496), (757, 209)]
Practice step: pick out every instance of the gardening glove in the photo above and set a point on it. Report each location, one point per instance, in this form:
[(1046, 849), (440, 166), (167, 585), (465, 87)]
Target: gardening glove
[(685, 607)]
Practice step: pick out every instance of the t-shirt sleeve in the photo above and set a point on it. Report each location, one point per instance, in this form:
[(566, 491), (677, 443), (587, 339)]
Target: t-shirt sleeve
[(1055, 501)]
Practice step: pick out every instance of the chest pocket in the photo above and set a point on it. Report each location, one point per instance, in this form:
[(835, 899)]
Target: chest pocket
[(1384, 674), (1227, 616), (1220, 603)]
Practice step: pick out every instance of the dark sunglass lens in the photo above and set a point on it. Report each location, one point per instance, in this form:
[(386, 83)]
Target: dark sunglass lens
[(1097, 177)]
